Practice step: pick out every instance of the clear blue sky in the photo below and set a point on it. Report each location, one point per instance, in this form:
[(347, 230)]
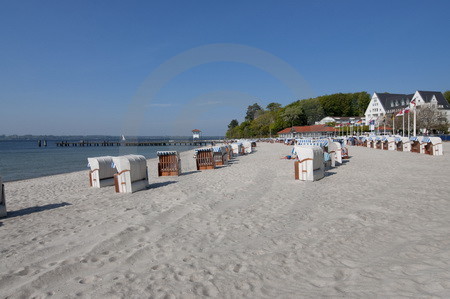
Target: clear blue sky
[(75, 67)]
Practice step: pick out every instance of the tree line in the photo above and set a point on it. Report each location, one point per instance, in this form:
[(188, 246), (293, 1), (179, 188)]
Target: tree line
[(264, 122)]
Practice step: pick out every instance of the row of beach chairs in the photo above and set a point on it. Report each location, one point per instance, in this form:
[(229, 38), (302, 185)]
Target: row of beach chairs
[(129, 173), (416, 144)]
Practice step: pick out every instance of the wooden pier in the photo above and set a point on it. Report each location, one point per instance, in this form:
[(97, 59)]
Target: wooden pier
[(137, 143)]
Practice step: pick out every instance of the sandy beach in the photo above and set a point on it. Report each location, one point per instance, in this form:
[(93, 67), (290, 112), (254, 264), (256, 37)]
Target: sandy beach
[(377, 226)]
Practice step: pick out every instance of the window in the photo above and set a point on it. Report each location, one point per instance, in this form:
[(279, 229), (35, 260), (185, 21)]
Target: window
[(403, 102), (392, 104)]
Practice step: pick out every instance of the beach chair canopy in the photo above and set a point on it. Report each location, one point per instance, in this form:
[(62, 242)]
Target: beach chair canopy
[(432, 140), (105, 166), (136, 164), (166, 153)]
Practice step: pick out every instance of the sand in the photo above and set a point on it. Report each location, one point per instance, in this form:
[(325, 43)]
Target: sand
[(377, 226)]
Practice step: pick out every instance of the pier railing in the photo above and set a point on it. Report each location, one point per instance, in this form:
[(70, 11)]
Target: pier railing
[(137, 143)]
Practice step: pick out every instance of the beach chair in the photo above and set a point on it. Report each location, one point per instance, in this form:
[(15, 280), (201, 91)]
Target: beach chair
[(388, 143), (169, 163), (132, 173), (432, 146), (237, 148), (205, 159), (101, 173), (310, 165), (220, 155), (2, 199), (416, 144), (378, 142), (332, 150), (247, 147)]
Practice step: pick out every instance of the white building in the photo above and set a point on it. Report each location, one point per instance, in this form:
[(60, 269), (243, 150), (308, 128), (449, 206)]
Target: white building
[(389, 103)]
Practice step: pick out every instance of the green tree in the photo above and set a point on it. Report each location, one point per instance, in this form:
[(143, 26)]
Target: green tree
[(292, 114), (447, 95), (233, 124), (252, 112), (273, 107)]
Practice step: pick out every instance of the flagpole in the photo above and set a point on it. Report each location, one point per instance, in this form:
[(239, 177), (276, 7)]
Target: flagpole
[(408, 124), (403, 128), (393, 123), (414, 120)]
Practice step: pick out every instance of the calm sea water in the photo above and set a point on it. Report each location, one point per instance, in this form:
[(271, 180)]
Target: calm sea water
[(21, 160)]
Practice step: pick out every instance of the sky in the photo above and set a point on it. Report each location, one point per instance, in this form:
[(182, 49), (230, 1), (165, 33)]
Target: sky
[(167, 67)]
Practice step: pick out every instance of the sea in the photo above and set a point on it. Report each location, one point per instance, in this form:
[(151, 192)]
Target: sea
[(24, 159)]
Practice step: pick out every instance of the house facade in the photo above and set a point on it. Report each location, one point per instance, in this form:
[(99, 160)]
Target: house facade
[(307, 131), (389, 103)]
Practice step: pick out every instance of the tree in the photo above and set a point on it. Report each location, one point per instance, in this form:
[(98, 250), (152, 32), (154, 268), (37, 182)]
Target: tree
[(430, 118), (292, 113), (252, 112), (447, 95), (272, 107), (233, 124)]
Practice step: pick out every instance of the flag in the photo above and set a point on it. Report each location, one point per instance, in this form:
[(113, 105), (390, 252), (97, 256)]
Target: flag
[(400, 113), (413, 103), (406, 110), (359, 121), (372, 122)]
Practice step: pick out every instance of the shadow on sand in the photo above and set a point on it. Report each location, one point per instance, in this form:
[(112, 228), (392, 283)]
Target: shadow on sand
[(158, 185), (37, 209), (190, 172), (329, 173)]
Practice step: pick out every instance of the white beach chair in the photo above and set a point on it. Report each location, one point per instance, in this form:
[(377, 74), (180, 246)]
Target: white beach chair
[(2, 199), (332, 150), (247, 147), (402, 144), (132, 173), (432, 146), (101, 173), (388, 143), (338, 151), (416, 144), (310, 165), (237, 148)]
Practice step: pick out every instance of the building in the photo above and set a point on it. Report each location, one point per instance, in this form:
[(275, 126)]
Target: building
[(196, 134), (389, 103), (341, 120), (307, 131)]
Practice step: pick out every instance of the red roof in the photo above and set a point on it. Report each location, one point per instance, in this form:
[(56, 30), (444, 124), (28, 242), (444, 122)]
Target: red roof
[(195, 130), (308, 129)]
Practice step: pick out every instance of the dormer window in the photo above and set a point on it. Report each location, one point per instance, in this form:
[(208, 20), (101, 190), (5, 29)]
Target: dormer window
[(403, 102), (392, 104)]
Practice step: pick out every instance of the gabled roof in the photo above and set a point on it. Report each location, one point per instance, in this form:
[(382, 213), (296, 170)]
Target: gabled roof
[(394, 100), (428, 95), (308, 129)]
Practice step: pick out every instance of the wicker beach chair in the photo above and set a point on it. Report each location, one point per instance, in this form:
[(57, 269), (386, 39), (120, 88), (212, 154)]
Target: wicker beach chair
[(416, 144), (101, 173), (169, 163), (132, 173), (205, 159), (220, 155), (432, 146)]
